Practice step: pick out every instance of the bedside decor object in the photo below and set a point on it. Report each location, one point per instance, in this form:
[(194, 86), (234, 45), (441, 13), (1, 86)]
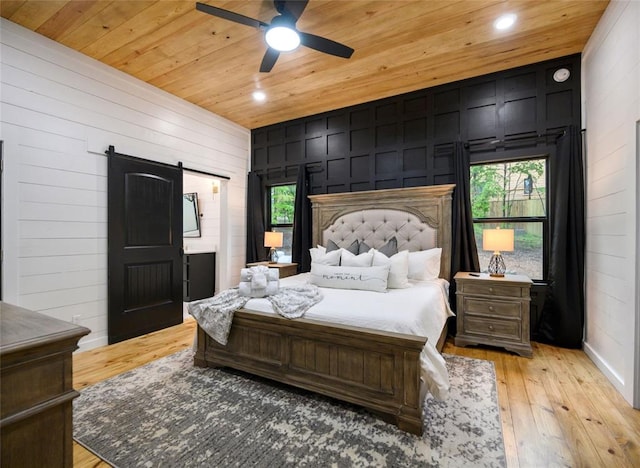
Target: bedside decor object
[(259, 281), (498, 240), (272, 240), (494, 311)]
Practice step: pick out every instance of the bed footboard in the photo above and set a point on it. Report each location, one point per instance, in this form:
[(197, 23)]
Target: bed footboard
[(377, 370)]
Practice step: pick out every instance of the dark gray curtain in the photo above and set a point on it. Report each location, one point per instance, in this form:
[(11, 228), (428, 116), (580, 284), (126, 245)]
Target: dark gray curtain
[(302, 222), (464, 253), (563, 312), (256, 251)]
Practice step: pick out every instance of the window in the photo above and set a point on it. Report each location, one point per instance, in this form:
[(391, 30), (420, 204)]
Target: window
[(513, 195), (281, 207)]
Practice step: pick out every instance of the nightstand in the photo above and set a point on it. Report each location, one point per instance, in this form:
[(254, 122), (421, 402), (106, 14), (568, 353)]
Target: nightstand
[(286, 269), (493, 311)]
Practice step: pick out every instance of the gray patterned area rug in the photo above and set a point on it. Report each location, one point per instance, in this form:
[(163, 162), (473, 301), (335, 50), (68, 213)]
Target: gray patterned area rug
[(169, 413)]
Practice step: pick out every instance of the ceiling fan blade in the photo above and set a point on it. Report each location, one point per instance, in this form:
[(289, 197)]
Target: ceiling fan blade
[(325, 45), (230, 15), (292, 7), (269, 60)]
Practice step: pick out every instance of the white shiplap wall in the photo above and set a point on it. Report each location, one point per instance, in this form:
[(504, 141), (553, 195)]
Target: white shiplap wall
[(60, 110), (611, 108)]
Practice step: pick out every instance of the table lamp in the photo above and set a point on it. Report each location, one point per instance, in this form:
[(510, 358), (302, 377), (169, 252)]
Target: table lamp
[(498, 240), (273, 240)]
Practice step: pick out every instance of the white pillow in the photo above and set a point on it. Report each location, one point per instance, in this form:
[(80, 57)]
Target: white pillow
[(324, 257), (362, 260), (425, 264), (398, 268), (341, 277), (317, 252)]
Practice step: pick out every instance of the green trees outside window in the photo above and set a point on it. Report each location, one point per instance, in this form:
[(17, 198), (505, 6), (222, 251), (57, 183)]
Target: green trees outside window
[(282, 204), (281, 209)]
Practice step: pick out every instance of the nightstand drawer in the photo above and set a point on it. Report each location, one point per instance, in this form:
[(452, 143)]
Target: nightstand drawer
[(494, 328), (484, 307), (493, 289)]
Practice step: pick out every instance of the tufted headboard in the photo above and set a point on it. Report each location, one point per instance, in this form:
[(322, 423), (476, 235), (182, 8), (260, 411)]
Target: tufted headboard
[(419, 218)]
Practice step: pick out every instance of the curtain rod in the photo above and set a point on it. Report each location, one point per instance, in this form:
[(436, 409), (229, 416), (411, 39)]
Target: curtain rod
[(317, 166), (519, 138)]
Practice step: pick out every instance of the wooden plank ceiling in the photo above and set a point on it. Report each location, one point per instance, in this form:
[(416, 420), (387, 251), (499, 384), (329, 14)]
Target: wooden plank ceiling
[(400, 46)]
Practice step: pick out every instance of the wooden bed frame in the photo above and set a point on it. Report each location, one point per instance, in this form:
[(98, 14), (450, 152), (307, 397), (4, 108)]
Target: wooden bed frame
[(375, 369)]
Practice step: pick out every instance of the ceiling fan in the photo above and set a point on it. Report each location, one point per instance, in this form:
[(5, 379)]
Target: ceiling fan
[(281, 35)]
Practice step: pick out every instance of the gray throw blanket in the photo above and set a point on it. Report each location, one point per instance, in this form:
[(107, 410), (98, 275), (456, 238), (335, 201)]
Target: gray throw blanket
[(215, 314)]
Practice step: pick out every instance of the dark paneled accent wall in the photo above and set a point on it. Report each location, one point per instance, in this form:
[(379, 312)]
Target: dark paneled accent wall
[(406, 140)]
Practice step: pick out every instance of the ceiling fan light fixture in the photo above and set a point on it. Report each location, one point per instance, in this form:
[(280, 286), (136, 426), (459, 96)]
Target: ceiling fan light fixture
[(282, 38), (281, 35)]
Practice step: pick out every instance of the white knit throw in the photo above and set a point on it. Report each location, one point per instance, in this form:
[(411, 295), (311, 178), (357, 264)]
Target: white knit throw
[(215, 314)]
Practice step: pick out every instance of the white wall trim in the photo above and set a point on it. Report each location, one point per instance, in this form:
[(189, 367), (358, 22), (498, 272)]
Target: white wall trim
[(86, 343), (636, 384), (601, 364), (9, 227)]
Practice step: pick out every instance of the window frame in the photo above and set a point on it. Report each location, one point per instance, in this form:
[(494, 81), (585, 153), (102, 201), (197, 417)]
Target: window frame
[(544, 220)]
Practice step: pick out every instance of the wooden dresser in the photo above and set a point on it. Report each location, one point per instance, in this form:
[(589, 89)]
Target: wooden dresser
[(36, 390), (493, 311)]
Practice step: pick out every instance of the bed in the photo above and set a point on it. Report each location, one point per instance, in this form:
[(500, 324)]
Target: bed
[(374, 368)]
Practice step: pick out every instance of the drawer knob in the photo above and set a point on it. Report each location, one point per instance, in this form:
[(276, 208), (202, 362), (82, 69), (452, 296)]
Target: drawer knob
[(490, 327), (491, 308), (490, 289)]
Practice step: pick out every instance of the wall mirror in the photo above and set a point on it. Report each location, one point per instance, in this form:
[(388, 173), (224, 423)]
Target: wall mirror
[(190, 215)]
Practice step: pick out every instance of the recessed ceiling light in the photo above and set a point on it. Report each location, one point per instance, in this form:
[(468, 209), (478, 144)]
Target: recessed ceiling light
[(505, 21), (259, 96)]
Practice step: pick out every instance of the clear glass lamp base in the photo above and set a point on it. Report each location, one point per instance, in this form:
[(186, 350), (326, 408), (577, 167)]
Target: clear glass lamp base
[(496, 265), (273, 255)]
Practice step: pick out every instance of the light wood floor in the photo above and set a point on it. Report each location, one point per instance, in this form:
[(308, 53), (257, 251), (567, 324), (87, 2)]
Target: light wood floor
[(557, 409)]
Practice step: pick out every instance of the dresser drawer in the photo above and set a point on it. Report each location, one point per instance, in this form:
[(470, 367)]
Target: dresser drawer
[(493, 328), (34, 382), (495, 308), (494, 289)]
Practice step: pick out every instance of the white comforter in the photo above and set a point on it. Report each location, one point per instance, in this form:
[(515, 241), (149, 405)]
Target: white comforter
[(420, 310)]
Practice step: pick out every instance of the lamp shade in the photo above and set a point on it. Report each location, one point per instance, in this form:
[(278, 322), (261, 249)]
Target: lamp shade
[(497, 240), (273, 239)]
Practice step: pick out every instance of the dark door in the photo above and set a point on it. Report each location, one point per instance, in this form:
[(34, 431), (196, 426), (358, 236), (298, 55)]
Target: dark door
[(145, 246)]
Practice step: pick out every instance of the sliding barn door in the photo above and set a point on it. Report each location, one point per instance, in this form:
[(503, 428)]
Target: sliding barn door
[(145, 246)]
